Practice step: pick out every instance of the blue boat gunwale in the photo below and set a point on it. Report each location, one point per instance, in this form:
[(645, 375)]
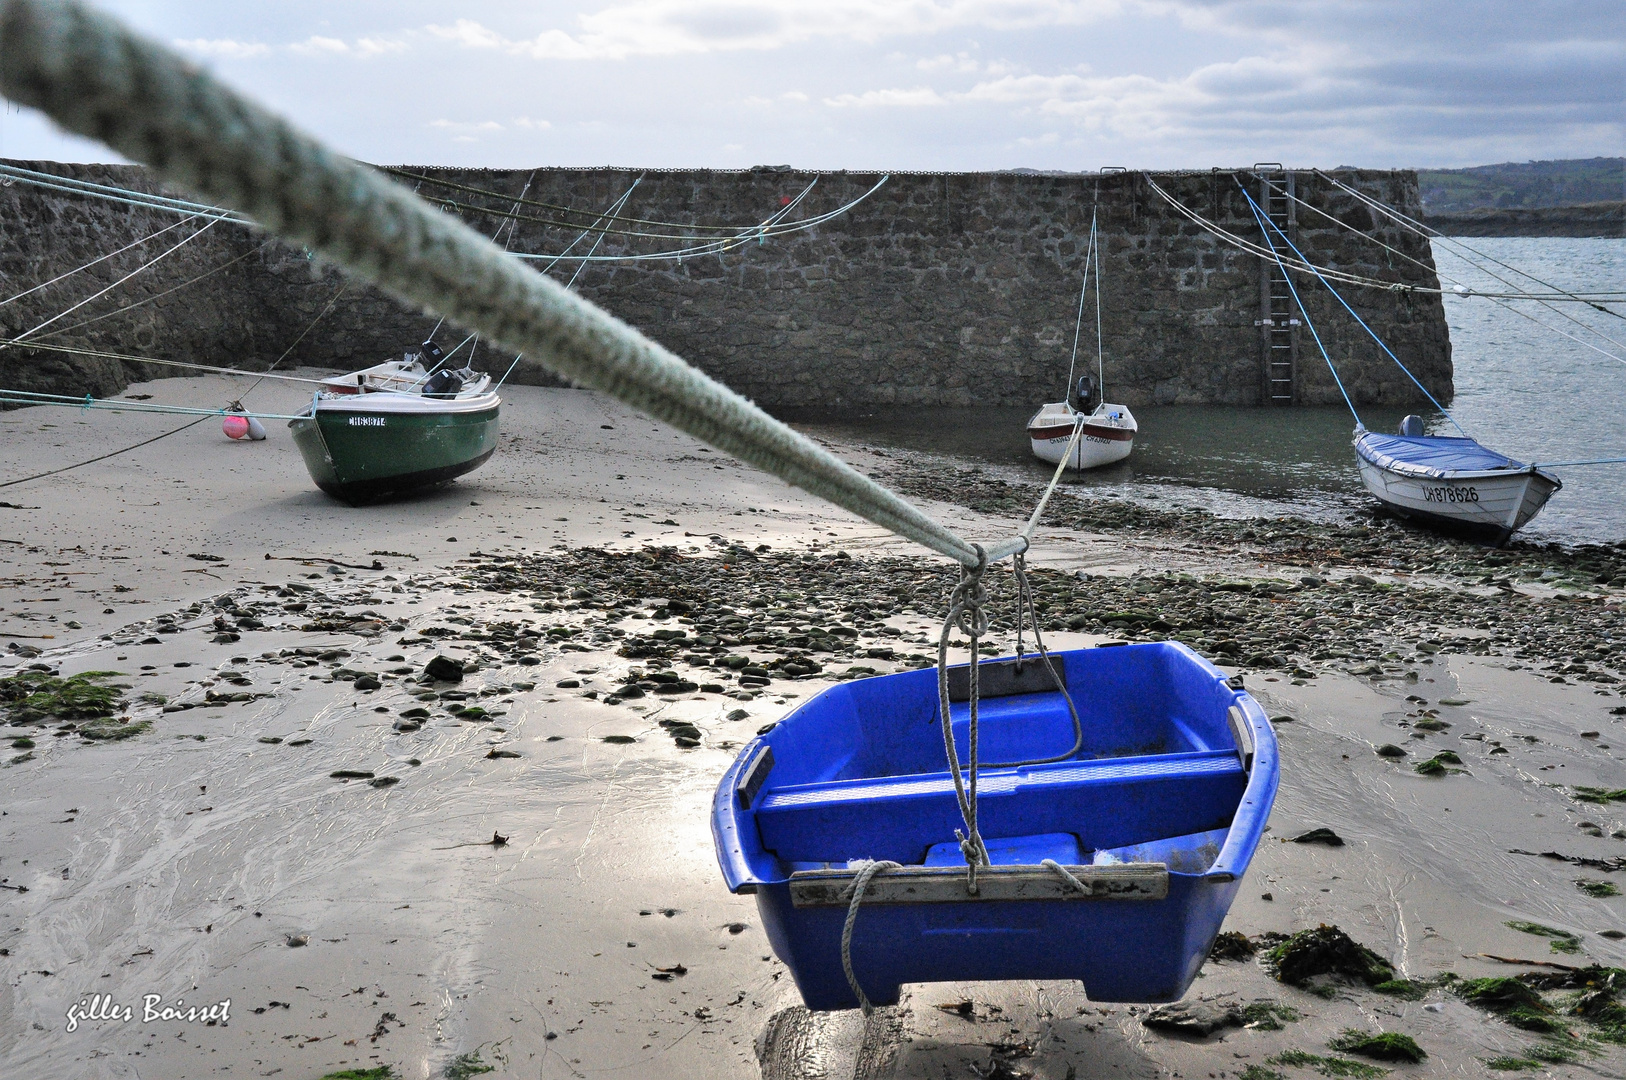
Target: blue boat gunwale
[(738, 846)]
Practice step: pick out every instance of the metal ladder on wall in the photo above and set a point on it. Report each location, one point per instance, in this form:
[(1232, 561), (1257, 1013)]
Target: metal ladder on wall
[(1278, 321)]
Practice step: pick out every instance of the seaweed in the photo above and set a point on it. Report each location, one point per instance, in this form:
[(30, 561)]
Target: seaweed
[(1504, 1063), (110, 731), (382, 1072), (1267, 1015), (466, 1065), (1562, 940), (1512, 1000), (1329, 1066), (1582, 793), (1406, 989), (1436, 765), (33, 695), (1327, 950), (1259, 1072), (1383, 1046), (1231, 945), (1599, 889)]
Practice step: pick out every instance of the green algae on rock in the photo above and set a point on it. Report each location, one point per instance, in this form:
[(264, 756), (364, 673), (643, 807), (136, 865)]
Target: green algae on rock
[(1382, 1046), (1327, 950)]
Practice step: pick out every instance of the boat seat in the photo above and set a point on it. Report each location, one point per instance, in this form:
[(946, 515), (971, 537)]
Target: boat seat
[(1105, 802)]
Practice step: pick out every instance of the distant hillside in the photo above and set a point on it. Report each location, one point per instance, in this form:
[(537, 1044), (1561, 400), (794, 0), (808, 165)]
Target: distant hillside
[(1527, 186), (1587, 219)]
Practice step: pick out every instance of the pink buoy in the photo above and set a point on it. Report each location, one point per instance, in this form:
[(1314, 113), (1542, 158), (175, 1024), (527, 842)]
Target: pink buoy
[(235, 427)]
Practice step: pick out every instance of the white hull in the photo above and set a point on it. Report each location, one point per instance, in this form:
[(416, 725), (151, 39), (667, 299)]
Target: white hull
[(1109, 435), (1493, 503)]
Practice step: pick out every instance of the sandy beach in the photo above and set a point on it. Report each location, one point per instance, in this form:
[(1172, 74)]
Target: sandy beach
[(268, 637)]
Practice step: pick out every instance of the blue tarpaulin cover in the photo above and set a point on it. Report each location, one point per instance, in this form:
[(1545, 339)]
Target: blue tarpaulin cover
[(1430, 455)]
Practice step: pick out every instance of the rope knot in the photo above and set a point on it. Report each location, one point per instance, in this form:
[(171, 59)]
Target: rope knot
[(968, 602)]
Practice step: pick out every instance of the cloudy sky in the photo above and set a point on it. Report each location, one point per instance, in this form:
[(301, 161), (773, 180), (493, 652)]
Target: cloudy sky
[(911, 84)]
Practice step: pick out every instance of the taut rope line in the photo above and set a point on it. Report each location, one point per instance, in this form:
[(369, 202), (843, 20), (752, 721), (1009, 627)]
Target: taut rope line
[(96, 78)]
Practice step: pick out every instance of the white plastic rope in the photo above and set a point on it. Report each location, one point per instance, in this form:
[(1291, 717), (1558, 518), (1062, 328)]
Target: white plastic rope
[(21, 338), (133, 359)]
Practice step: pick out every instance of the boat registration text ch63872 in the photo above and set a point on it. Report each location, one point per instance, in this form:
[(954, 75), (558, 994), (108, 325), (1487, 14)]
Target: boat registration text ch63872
[(1451, 495), (366, 421)]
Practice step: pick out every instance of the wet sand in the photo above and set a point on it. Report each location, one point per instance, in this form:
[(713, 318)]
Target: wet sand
[(354, 925)]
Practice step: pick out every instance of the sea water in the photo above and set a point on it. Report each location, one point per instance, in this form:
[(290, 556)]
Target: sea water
[(1521, 389)]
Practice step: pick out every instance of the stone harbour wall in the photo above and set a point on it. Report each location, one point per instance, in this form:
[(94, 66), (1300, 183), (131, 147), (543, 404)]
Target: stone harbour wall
[(939, 289)]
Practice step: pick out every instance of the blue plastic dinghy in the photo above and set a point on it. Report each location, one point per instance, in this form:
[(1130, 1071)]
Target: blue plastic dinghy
[(1158, 815)]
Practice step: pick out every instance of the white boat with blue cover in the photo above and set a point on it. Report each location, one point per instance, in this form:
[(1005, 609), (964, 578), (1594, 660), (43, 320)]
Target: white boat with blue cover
[(1452, 483)]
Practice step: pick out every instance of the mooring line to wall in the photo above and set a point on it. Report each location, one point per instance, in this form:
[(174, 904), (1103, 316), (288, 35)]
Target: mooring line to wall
[(96, 78)]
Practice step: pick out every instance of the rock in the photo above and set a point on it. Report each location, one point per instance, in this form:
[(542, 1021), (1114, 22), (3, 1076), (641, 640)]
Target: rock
[(383, 781), (502, 753), (1319, 836), (366, 682), (1200, 1017), (351, 774), (1390, 750), (298, 941), (444, 669), (408, 725)]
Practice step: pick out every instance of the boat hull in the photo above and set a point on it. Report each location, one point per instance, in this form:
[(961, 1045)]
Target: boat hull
[(1162, 784), (1484, 504), (359, 457), (1109, 435)]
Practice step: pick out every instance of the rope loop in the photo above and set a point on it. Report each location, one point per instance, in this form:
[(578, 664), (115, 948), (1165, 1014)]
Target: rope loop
[(968, 602), (866, 870)]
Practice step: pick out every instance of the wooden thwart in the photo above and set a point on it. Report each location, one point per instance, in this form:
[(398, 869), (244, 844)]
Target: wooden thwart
[(947, 885)]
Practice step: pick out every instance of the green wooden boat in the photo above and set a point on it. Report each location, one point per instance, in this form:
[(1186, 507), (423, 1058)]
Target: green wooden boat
[(394, 428)]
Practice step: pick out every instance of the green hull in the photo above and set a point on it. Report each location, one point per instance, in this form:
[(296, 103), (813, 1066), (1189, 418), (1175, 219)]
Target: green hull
[(362, 457)]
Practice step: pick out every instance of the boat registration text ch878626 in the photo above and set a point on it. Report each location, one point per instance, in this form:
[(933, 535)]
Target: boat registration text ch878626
[(1451, 495)]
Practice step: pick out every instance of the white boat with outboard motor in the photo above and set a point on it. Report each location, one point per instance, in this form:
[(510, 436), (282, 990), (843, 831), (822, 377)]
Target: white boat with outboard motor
[(1085, 431), (1108, 435), (1452, 483)]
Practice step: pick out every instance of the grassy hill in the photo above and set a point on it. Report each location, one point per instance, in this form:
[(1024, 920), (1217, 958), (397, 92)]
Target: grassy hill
[(1530, 185)]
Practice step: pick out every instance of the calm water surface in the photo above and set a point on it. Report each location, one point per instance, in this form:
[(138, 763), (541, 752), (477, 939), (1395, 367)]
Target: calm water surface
[(1520, 389)]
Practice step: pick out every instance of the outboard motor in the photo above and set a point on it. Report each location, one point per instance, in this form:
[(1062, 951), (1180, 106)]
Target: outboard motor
[(443, 384), (1084, 394), (1412, 426), (431, 354)]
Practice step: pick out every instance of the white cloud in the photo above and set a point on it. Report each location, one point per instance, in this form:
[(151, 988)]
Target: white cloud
[(525, 123), (914, 98), (363, 48), (675, 27), (959, 62), (316, 45), (225, 48), (467, 130)]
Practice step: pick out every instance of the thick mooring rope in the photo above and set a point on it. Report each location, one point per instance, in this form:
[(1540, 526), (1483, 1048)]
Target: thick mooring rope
[(96, 78)]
